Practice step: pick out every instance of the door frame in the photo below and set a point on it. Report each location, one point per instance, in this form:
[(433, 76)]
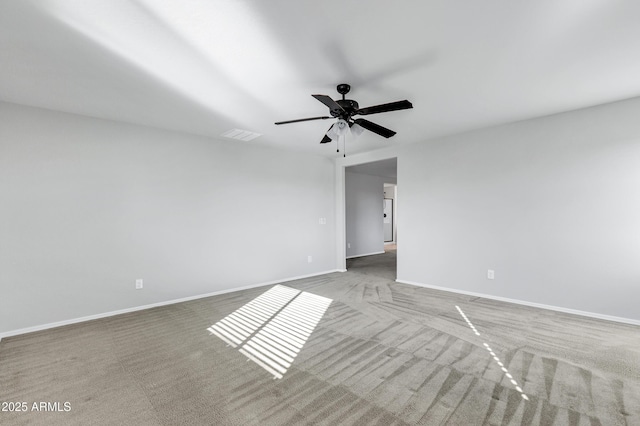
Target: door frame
[(341, 215)]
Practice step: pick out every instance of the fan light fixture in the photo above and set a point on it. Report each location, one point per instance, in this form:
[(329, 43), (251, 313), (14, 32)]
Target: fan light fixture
[(339, 128), (356, 130)]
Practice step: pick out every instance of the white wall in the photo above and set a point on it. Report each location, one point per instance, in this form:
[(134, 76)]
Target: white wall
[(87, 206), (552, 205), (364, 208)]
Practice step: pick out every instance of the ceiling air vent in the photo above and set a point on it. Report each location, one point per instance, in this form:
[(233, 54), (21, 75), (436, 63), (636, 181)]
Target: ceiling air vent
[(243, 135)]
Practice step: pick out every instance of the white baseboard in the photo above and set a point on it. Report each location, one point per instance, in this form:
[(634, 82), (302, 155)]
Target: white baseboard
[(525, 303), (366, 254), (153, 305)]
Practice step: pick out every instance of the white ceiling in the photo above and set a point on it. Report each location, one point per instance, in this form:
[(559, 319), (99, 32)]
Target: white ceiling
[(208, 66)]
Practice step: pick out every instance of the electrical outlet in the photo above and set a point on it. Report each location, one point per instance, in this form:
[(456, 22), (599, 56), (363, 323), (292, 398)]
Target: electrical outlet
[(491, 274), (323, 221), (348, 245), (139, 284), (309, 259)]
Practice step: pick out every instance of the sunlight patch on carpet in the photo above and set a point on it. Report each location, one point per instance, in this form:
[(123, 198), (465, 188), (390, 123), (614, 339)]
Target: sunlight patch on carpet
[(272, 328), (494, 356)]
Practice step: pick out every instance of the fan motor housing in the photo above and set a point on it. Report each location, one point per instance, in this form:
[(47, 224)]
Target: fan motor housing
[(349, 106)]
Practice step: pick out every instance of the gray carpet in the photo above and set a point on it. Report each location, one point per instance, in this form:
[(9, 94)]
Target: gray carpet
[(383, 353)]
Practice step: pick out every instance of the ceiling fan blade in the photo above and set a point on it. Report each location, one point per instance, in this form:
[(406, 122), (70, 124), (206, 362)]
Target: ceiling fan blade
[(392, 106), (375, 128), (333, 105), (326, 138), (303, 119)]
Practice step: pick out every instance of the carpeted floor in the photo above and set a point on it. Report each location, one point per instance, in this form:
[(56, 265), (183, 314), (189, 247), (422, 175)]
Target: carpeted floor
[(382, 353)]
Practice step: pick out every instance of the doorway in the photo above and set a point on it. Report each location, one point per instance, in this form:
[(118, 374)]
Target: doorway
[(389, 216), (387, 220), (370, 212)]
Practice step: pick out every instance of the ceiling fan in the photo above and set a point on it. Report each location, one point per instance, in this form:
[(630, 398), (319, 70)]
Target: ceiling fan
[(344, 110)]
